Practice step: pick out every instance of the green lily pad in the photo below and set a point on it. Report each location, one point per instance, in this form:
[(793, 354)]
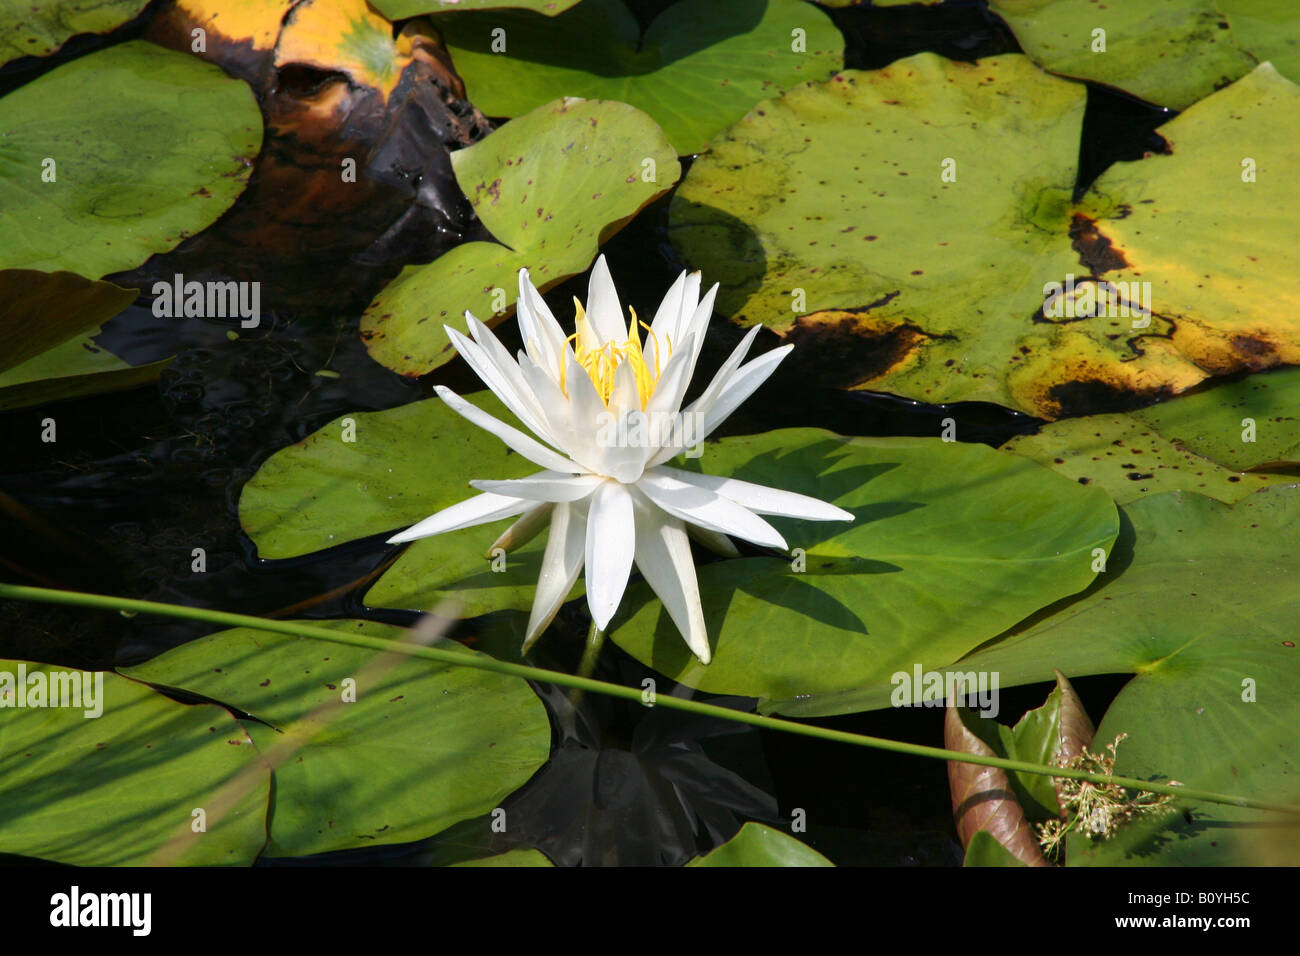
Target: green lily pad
[(759, 845), (112, 790), (405, 464), (1269, 30), (405, 9), (422, 747), (699, 66), (1190, 605), (39, 27), (1130, 459), (896, 280), (1249, 423), (148, 147), (985, 850), (551, 186), (952, 544), (1171, 52)]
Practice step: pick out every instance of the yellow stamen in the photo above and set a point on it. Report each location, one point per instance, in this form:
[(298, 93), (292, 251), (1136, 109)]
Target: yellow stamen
[(601, 363)]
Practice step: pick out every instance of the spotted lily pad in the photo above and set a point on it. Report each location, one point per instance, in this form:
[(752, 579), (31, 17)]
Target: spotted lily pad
[(951, 545), (1202, 442), (759, 845), (551, 186), (118, 155), (1171, 52), (405, 464), (1130, 459), (931, 265), (696, 69), (39, 27), (421, 747), (116, 788)]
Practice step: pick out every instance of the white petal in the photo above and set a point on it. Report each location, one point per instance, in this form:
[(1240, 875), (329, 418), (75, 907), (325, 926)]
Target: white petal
[(624, 397), (561, 565), (674, 379), (537, 326), (587, 415), (480, 509), (708, 510), (516, 440), (698, 324), (762, 499), (699, 408), (603, 311), (543, 486), (668, 318), (507, 385), (741, 385), (611, 545), (663, 554)]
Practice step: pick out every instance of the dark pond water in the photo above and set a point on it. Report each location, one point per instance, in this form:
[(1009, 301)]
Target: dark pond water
[(138, 479)]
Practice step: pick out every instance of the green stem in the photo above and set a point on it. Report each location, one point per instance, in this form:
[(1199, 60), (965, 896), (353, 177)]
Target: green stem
[(459, 658), (595, 641)]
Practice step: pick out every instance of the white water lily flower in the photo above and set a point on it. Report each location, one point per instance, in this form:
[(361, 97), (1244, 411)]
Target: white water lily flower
[(606, 406)]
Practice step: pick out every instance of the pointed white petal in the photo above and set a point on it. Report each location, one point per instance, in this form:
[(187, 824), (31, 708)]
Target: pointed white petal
[(674, 379), (561, 565), (698, 323), (700, 506), (698, 409), (603, 311), (538, 327), (663, 554), (611, 545), (665, 321), (480, 509), (516, 440), (760, 498), (741, 385), (506, 383), (543, 486)]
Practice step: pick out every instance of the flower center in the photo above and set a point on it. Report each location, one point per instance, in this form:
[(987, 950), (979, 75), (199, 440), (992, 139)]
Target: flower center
[(601, 362)]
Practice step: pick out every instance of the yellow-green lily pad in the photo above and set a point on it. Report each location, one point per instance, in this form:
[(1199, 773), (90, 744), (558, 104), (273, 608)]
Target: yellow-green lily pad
[(551, 186)]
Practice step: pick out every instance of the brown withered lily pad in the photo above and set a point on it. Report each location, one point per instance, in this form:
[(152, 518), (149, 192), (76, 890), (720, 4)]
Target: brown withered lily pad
[(922, 238), (355, 173)]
